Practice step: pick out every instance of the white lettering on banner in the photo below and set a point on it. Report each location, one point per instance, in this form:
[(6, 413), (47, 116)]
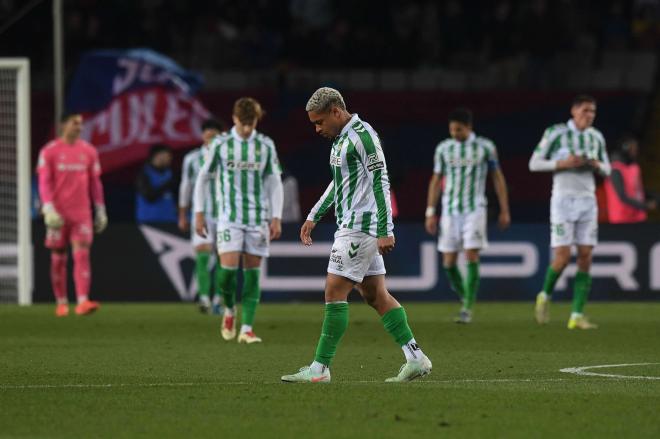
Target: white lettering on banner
[(654, 267), (173, 115), (526, 267), (622, 271), (426, 280), (172, 251), (119, 83), (142, 119)]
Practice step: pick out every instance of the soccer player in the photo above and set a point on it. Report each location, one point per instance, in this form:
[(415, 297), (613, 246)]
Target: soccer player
[(69, 174), (360, 192), (573, 151), (204, 246), (249, 191), (464, 160)]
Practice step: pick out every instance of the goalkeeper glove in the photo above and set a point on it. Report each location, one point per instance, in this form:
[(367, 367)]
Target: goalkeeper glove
[(101, 219), (52, 218)]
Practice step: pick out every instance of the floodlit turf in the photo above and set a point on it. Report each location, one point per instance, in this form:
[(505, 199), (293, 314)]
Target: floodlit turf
[(164, 371)]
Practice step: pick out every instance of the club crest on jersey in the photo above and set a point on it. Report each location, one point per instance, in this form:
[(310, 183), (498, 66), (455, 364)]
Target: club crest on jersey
[(335, 160)]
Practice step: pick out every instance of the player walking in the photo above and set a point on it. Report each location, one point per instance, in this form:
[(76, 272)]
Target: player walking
[(464, 160), (360, 192), (69, 173), (203, 246), (249, 191), (573, 151)]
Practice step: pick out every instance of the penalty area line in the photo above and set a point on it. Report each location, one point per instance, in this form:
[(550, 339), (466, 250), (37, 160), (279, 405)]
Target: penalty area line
[(585, 371)]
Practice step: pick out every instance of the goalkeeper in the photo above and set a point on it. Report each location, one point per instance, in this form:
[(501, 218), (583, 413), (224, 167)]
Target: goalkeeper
[(69, 175)]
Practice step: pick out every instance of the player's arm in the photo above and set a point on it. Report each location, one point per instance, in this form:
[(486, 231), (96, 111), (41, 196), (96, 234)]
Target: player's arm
[(185, 192), (202, 188), (272, 178), (96, 188), (45, 171), (372, 159), (501, 191), (317, 213), (602, 164), (542, 161), (433, 194)]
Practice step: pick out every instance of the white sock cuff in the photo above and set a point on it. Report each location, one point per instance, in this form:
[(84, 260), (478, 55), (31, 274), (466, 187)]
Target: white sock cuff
[(336, 301)]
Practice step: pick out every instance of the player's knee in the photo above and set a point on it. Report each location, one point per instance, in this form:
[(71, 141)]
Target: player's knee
[(584, 261)]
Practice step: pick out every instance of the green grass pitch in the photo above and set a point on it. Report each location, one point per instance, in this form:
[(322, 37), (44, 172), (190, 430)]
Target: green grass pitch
[(162, 370)]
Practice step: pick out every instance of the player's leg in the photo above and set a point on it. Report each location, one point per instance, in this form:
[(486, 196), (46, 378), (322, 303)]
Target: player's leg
[(230, 241), (56, 241), (203, 276), (586, 235), (562, 230), (250, 297), (81, 243), (449, 243), (394, 318), (256, 247), (350, 258), (216, 301), (471, 286)]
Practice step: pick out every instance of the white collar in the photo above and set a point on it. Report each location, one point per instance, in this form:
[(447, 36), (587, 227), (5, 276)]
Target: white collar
[(471, 138), (238, 137), (572, 127), (349, 124)]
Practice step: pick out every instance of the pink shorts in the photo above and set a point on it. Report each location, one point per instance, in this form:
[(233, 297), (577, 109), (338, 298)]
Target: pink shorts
[(79, 231)]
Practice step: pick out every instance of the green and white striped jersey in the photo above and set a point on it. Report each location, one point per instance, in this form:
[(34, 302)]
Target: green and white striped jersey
[(192, 162), (561, 140), (465, 167), (360, 187), (240, 166)]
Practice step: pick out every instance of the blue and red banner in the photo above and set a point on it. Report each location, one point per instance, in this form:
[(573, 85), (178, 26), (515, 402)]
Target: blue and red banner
[(132, 99)]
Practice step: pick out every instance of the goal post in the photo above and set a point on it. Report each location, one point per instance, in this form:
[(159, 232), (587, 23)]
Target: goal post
[(15, 182)]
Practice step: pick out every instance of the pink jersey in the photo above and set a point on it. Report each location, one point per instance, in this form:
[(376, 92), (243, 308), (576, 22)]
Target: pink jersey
[(68, 175)]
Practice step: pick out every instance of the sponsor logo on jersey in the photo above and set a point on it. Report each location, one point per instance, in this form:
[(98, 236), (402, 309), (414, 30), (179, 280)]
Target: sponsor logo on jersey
[(378, 165), (335, 160), (463, 162), (243, 166), (72, 167), (372, 158)]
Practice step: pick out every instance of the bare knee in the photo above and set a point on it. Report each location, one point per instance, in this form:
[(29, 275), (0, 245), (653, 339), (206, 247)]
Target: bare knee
[(561, 258)]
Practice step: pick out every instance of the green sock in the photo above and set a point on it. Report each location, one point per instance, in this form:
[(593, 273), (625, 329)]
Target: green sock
[(335, 323), (227, 283), (202, 273), (455, 280), (581, 287), (217, 291), (551, 277), (471, 284), (396, 324), (251, 295)]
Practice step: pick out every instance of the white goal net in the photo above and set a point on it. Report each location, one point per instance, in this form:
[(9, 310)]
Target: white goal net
[(15, 182)]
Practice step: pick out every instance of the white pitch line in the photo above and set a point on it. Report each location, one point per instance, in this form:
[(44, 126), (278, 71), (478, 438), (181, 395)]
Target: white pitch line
[(583, 370)]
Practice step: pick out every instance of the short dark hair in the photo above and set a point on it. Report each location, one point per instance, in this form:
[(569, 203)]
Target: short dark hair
[(461, 115), (157, 148), (583, 98), (212, 124), (64, 118)]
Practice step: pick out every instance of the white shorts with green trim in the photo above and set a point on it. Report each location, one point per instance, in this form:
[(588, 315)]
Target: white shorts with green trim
[(466, 231), (573, 220), (210, 239), (355, 256), (253, 240)]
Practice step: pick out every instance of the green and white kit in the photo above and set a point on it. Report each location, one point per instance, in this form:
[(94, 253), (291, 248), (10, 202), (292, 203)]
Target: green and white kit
[(573, 208), (360, 193), (465, 167), (245, 174), (192, 163)]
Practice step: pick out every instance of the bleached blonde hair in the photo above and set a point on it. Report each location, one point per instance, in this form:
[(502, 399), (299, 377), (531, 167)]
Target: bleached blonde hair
[(323, 99)]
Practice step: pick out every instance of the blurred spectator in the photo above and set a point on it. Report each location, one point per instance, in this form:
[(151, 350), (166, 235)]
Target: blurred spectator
[(155, 188), (624, 189), (291, 204)]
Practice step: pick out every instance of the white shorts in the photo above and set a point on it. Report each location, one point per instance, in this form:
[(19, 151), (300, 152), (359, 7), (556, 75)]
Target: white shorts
[(573, 220), (210, 234), (253, 240), (355, 255), (463, 231)]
